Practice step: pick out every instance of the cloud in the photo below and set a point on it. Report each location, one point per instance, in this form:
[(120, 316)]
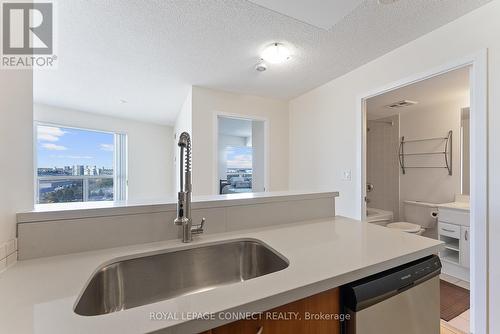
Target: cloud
[(86, 157), (54, 147), (107, 147), (78, 157), (49, 133), (238, 157), (240, 161)]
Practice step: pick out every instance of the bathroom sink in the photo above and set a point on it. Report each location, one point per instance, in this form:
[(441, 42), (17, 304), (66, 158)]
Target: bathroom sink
[(152, 277)]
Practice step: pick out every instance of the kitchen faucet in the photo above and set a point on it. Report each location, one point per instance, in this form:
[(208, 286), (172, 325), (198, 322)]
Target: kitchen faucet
[(184, 196)]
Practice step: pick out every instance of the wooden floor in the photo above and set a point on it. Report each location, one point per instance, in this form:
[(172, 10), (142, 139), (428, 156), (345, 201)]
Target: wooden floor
[(461, 323), (446, 329)]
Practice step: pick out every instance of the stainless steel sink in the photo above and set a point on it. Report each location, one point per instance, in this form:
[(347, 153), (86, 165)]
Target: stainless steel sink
[(152, 277)]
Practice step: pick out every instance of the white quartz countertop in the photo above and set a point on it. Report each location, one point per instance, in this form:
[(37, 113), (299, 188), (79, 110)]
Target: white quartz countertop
[(55, 211), (38, 296)]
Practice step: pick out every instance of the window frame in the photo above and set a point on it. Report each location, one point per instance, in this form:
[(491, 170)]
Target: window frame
[(120, 161)]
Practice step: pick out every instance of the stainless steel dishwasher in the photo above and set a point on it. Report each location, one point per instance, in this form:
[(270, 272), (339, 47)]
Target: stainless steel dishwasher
[(400, 300)]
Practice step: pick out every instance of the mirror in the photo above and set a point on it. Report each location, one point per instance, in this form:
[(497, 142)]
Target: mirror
[(465, 150)]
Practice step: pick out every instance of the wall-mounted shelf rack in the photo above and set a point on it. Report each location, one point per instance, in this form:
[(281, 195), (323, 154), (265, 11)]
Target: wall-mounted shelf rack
[(446, 152)]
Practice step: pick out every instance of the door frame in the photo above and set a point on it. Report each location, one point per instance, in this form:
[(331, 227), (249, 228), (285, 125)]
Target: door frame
[(215, 174), (478, 64)]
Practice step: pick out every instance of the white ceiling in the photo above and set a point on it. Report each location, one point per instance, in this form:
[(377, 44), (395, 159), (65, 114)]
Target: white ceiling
[(446, 87), (319, 13), (235, 127), (149, 52)]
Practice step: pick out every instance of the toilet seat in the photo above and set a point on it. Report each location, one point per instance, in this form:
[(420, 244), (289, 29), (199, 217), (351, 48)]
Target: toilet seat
[(406, 227)]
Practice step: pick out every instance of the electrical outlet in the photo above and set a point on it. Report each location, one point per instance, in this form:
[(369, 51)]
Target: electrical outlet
[(10, 246), (3, 264), (3, 251)]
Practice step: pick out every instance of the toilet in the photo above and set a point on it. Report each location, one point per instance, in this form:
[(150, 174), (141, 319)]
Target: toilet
[(407, 227), (419, 216)]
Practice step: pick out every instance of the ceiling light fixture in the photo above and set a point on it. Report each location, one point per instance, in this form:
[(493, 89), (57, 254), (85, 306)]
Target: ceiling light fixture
[(276, 53)]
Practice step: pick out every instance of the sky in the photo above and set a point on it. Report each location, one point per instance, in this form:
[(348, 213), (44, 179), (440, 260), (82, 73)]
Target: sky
[(59, 147), (239, 157)]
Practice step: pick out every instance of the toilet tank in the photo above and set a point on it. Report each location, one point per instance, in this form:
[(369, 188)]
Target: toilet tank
[(421, 213)]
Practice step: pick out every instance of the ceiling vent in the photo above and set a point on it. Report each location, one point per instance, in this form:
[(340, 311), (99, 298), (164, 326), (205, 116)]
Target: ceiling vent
[(401, 104), (386, 2)]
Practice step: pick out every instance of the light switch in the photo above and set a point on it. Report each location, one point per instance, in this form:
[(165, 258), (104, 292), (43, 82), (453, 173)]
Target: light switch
[(347, 175)]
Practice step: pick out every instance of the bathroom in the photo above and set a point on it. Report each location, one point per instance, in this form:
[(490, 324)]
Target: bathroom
[(417, 171)]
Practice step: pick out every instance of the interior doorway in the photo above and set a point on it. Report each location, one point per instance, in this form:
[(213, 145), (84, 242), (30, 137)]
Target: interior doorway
[(477, 66), (416, 173), (240, 155)]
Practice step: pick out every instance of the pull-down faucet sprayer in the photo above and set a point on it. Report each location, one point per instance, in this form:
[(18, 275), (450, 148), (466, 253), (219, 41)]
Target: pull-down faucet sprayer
[(184, 218)]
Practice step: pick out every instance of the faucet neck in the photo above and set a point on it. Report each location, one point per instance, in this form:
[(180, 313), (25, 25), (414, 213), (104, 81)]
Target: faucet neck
[(184, 196), (185, 162)]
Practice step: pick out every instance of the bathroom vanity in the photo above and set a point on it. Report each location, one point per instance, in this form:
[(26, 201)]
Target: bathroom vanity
[(454, 231)]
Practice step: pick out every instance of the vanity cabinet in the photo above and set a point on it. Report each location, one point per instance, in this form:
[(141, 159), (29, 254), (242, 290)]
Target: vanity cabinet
[(465, 246), (326, 303), (454, 231)]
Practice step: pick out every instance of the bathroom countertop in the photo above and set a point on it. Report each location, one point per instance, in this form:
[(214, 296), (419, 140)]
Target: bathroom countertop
[(462, 206), (38, 296)]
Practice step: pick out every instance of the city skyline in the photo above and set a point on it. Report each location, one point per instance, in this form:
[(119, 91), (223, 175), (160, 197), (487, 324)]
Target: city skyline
[(75, 170), (60, 147)]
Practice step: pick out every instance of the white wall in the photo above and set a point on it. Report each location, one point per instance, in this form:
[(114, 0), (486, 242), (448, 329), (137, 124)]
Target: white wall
[(432, 185), (329, 113), (149, 148), (183, 122), (208, 102), (16, 148), (258, 156)]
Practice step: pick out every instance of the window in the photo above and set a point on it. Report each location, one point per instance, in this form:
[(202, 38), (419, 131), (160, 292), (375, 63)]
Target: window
[(240, 155), (79, 165), (239, 167)]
